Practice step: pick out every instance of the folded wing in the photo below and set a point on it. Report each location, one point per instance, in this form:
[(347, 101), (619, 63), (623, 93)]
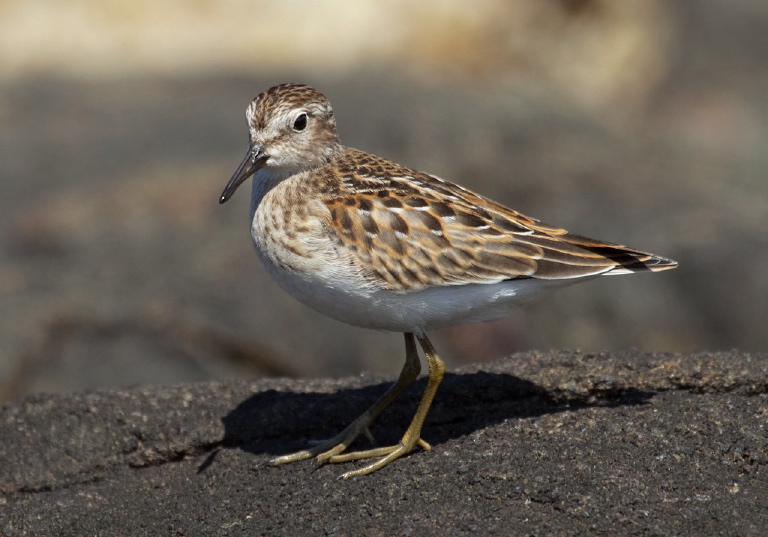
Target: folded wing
[(410, 230)]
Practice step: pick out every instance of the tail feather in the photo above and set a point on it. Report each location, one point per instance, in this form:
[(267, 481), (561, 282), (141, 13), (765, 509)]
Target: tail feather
[(596, 258)]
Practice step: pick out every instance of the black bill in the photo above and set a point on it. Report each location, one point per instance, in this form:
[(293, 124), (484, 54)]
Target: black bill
[(254, 160)]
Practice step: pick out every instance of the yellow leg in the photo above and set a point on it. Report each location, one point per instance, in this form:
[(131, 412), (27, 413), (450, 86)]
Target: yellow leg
[(328, 448), (413, 435)]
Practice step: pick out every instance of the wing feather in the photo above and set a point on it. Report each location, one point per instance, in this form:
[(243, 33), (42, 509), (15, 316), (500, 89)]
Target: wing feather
[(411, 230)]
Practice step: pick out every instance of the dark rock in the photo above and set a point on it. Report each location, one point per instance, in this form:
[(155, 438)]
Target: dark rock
[(540, 443)]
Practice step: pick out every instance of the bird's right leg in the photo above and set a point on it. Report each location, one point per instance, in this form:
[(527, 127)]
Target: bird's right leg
[(336, 445)]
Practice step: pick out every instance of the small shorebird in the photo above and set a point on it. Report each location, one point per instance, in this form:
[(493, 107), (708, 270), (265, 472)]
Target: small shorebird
[(375, 244)]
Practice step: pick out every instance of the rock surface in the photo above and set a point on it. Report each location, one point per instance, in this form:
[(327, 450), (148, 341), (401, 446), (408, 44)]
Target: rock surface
[(538, 444)]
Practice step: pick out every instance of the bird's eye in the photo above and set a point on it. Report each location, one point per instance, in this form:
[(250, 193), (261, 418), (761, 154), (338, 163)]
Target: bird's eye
[(301, 122)]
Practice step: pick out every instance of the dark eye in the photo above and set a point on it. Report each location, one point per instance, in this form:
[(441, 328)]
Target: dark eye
[(301, 122)]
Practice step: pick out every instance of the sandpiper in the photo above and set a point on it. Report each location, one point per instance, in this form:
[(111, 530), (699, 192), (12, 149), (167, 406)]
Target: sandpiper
[(375, 244)]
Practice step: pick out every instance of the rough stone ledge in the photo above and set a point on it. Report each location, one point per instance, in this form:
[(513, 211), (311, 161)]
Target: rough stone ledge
[(556, 443)]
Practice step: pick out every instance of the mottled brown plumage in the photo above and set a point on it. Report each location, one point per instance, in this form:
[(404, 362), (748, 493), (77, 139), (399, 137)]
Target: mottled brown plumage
[(411, 230)]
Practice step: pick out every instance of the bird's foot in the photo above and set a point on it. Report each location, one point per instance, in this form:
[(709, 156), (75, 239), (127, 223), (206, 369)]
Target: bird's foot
[(332, 451)]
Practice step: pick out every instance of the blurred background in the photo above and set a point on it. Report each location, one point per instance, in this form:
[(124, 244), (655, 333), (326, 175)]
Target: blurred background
[(643, 122)]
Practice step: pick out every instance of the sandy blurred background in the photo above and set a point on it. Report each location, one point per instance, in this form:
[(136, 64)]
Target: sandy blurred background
[(643, 122)]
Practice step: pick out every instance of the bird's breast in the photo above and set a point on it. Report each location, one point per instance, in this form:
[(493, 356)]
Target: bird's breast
[(286, 233), (290, 235)]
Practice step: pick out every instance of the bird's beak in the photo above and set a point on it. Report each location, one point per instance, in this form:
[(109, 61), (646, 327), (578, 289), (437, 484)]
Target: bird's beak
[(254, 160)]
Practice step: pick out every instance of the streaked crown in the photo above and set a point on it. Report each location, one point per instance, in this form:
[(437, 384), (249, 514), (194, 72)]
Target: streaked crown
[(294, 124)]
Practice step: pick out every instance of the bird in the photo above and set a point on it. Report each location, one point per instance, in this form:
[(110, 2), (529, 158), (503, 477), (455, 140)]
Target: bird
[(375, 244)]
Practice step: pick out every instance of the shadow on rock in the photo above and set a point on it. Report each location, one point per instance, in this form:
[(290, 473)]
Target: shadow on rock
[(277, 422)]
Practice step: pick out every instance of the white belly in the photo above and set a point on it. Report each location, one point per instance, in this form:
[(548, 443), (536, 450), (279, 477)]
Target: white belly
[(333, 294)]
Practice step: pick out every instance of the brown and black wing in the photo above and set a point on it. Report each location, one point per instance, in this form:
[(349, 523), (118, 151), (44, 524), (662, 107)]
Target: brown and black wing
[(410, 230)]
